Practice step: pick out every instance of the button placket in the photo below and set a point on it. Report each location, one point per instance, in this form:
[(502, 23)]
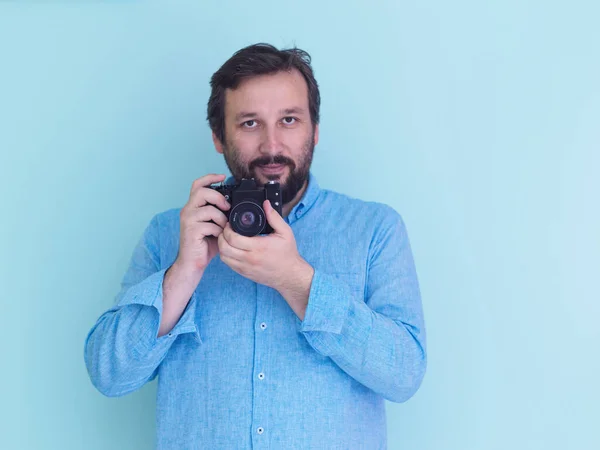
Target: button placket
[(262, 343)]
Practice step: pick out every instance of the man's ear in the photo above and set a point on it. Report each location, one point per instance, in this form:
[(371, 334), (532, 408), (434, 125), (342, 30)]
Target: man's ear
[(218, 143), (316, 134)]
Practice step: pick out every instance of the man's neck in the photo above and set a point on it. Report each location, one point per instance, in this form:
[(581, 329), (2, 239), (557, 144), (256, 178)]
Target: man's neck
[(287, 208)]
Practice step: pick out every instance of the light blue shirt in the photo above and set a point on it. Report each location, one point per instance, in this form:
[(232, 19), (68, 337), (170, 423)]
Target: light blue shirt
[(240, 370)]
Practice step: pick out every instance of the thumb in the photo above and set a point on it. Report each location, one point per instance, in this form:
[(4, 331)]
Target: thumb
[(274, 218)]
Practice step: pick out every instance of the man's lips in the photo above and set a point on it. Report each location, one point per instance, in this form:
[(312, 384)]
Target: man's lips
[(272, 168)]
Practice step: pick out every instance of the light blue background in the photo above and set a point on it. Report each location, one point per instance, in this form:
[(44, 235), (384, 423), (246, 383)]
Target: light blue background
[(478, 121)]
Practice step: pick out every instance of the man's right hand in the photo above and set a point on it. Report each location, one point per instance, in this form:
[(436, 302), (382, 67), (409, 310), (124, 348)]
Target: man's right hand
[(201, 222), (197, 247)]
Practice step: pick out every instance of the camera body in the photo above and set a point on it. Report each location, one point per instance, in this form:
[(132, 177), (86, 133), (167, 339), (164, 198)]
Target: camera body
[(246, 215)]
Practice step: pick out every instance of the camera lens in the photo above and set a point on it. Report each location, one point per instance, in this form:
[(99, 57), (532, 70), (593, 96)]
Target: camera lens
[(247, 218)]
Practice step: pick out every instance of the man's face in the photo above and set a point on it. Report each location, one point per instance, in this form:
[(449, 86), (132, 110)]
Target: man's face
[(268, 131)]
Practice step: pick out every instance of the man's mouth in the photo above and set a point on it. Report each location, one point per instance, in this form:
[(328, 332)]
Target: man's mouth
[(271, 169)]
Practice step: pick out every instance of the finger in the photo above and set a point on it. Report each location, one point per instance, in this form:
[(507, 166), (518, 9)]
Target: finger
[(208, 196), (227, 250), (237, 240), (208, 229), (206, 180), (208, 213), (233, 264), (274, 219), (202, 194)]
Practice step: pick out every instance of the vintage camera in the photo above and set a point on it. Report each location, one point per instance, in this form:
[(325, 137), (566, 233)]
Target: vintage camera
[(246, 214)]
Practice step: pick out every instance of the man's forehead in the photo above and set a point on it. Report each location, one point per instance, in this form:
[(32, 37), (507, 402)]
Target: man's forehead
[(268, 89)]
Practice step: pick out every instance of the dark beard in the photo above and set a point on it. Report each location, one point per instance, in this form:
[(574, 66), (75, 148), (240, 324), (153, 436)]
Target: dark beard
[(294, 182)]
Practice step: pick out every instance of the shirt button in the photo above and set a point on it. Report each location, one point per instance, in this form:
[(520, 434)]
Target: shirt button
[(260, 430), (261, 376), (263, 326)]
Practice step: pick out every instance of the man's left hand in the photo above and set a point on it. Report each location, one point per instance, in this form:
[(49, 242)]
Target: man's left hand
[(272, 260)]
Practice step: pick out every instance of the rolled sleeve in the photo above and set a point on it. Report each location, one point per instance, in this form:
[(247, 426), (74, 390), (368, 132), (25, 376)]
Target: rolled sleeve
[(376, 335), (328, 304), (148, 294), (122, 350)]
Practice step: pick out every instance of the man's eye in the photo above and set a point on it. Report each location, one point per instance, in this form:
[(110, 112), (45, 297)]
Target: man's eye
[(289, 120), (249, 124)]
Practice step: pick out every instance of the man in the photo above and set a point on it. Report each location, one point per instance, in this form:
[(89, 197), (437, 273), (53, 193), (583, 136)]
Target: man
[(287, 340)]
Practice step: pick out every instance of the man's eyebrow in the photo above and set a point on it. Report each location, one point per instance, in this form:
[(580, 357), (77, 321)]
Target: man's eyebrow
[(284, 112), (245, 115), (295, 110)]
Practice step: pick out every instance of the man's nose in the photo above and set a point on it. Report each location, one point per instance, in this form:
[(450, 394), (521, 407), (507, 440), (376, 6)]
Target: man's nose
[(271, 142)]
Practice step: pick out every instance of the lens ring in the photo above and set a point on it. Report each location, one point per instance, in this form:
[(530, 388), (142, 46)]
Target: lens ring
[(244, 210)]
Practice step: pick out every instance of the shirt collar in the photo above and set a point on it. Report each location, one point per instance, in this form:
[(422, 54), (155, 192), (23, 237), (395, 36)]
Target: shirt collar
[(306, 202), (308, 198)]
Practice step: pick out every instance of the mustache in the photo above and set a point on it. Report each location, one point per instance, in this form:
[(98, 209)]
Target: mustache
[(277, 159)]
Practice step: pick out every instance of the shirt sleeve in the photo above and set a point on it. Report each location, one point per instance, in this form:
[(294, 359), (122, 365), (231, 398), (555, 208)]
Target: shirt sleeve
[(376, 335), (122, 350)]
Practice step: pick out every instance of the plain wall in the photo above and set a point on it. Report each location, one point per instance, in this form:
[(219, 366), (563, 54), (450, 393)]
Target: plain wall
[(478, 121)]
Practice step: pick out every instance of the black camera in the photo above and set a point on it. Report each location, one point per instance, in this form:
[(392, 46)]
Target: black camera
[(246, 215)]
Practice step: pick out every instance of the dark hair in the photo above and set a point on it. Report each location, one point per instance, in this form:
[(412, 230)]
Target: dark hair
[(258, 59)]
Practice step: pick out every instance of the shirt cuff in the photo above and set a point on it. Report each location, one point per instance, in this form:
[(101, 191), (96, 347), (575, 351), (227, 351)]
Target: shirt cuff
[(149, 293), (328, 304)]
